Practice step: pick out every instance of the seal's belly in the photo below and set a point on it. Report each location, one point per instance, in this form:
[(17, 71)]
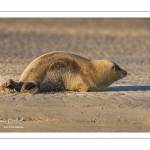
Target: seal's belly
[(61, 82), (52, 83)]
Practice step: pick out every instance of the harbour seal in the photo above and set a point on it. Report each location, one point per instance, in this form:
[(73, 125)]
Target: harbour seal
[(59, 71)]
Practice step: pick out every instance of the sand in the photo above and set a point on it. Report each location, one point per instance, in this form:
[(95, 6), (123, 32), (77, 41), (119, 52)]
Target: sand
[(122, 107)]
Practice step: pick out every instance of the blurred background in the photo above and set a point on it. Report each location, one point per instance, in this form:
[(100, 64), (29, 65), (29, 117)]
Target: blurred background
[(124, 41)]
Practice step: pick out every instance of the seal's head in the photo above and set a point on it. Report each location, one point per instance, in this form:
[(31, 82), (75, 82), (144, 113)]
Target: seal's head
[(108, 72), (114, 71)]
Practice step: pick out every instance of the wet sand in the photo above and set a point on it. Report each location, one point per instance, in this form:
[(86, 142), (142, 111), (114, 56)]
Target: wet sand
[(122, 107)]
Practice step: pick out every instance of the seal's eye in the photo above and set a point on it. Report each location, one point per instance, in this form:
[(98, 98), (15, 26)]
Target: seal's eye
[(113, 67)]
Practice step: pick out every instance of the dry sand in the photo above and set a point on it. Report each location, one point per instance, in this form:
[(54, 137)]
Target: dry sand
[(123, 107)]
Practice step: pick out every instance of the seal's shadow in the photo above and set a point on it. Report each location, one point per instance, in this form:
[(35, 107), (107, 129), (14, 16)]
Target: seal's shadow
[(128, 88)]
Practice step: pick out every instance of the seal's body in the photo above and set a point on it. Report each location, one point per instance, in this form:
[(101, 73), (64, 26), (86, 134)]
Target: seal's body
[(58, 71)]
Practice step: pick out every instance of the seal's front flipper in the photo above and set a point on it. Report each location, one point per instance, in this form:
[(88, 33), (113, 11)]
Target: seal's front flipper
[(29, 87)]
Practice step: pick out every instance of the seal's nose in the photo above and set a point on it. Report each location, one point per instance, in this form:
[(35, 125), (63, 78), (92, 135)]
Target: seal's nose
[(125, 73)]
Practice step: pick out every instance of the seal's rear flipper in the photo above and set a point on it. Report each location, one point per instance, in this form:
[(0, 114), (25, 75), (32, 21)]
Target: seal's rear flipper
[(10, 86), (29, 87)]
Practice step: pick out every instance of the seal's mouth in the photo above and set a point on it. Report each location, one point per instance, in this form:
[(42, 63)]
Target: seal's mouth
[(119, 77)]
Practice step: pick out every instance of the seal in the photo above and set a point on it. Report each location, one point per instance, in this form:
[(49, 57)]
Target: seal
[(59, 71)]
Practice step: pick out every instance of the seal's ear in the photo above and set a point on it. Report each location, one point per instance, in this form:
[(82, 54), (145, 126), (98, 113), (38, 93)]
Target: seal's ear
[(29, 87)]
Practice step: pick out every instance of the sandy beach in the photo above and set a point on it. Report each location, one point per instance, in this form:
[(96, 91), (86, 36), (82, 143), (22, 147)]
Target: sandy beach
[(122, 107)]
